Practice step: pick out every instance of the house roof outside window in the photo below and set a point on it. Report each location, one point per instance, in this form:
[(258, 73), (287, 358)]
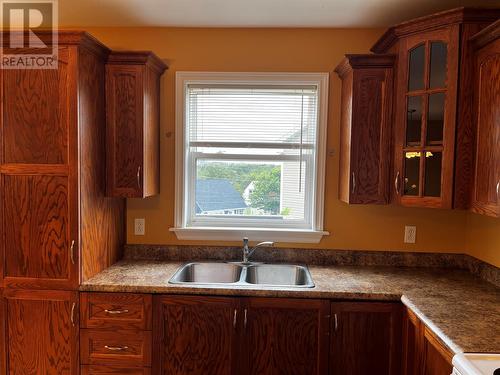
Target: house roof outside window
[(217, 194)]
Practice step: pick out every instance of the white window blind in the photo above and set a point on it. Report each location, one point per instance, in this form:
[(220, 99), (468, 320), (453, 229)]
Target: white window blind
[(250, 154)]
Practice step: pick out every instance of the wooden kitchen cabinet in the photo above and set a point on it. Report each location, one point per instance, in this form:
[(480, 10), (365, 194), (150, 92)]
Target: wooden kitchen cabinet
[(365, 133), (430, 151), (133, 124), (423, 352), (486, 188), (284, 336), (58, 227), (41, 332), (221, 335), (195, 335), (365, 338)]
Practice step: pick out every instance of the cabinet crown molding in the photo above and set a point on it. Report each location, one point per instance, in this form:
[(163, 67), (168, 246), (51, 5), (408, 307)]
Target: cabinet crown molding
[(351, 61), (486, 35), (138, 58), (433, 22)]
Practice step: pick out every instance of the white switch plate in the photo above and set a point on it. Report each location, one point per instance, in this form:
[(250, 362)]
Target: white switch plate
[(410, 234), (139, 227)]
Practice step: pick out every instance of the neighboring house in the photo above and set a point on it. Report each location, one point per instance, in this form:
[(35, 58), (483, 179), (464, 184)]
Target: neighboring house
[(248, 191), (217, 196)]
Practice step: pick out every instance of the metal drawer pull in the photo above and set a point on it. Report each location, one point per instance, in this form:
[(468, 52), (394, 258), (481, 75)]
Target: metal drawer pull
[(336, 322), (235, 317), (353, 183), (116, 348), (498, 189), (245, 320), (116, 312)]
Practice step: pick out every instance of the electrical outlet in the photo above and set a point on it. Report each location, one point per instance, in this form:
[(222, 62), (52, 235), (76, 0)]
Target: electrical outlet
[(410, 234), (139, 227)]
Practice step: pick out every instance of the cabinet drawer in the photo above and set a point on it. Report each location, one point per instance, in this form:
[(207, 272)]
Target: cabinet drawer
[(112, 370), (116, 311), (123, 348)]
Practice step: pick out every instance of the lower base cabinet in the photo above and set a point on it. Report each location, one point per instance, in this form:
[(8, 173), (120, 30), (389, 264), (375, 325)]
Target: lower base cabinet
[(365, 338), (423, 352), (110, 370), (274, 336), (41, 331)]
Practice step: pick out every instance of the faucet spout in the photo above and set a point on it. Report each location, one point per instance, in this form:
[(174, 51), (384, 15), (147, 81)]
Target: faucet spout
[(247, 252)]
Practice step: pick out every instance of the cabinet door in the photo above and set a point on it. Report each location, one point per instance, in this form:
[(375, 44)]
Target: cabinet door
[(412, 344), (425, 119), (125, 118), (486, 190), (38, 154), (436, 357), (42, 332), (195, 335), (285, 337), (365, 338)]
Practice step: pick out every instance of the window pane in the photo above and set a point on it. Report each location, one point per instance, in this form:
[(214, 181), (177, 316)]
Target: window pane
[(253, 115), (412, 173), (250, 189), (432, 174), (414, 121), (438, 65), (435, 119), (416, 68)]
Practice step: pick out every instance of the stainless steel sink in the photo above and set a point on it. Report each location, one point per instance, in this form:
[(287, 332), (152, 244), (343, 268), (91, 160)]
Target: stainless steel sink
[(279, 275), (208, 273), (242, 274)]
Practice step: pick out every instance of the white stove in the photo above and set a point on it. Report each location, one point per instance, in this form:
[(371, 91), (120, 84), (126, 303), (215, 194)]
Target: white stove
[(476, 364)]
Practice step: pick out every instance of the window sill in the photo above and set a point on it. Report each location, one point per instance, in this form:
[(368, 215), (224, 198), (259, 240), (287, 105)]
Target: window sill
[(254, 234)]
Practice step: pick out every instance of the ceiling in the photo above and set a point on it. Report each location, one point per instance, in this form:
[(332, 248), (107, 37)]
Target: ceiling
[(250, 13)]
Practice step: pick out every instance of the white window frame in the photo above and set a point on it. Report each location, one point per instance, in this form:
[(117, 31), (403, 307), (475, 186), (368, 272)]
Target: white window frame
[(229, 231)]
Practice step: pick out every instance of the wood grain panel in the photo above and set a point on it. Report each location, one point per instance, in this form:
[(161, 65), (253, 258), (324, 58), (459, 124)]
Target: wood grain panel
[(485, 197), (112, 370), (412, 344), (102, 218), (285, 337), (35, 114), (123, 348), (194, 335), (124, 93), (365, 128), (366, 338), (116, 310), (2, 335), (41, 336), (436, 357), (36, 227)]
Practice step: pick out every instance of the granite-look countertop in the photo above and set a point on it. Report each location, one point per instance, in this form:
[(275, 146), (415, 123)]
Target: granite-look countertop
[(462, 309)]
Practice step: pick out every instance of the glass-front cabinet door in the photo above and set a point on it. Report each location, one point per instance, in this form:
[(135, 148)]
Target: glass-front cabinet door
[(425, 120)]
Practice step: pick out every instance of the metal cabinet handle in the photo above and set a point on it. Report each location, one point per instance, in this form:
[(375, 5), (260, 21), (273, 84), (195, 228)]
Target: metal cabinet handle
[(498, 191), (116, 348), (396, 183), (245, 319), (235, 317), (353, 182), (139, 177), (72, 252), (336, 321), (116, 312), (72, 318)]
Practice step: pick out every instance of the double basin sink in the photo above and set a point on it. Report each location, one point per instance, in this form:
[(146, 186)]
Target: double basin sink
[(241, 274)]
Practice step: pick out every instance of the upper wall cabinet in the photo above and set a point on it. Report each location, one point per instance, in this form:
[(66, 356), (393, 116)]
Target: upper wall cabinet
[(486, 188), (433, 118), (367, 83), (133, 121)]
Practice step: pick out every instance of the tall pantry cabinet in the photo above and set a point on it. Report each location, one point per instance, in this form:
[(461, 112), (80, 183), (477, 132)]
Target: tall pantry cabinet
[(57, 226)]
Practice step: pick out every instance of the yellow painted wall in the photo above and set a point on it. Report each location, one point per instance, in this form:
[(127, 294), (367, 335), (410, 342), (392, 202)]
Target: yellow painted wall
[(288, 50), (483, 238)]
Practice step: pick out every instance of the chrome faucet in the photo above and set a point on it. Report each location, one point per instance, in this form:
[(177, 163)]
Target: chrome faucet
[(247, 252)]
